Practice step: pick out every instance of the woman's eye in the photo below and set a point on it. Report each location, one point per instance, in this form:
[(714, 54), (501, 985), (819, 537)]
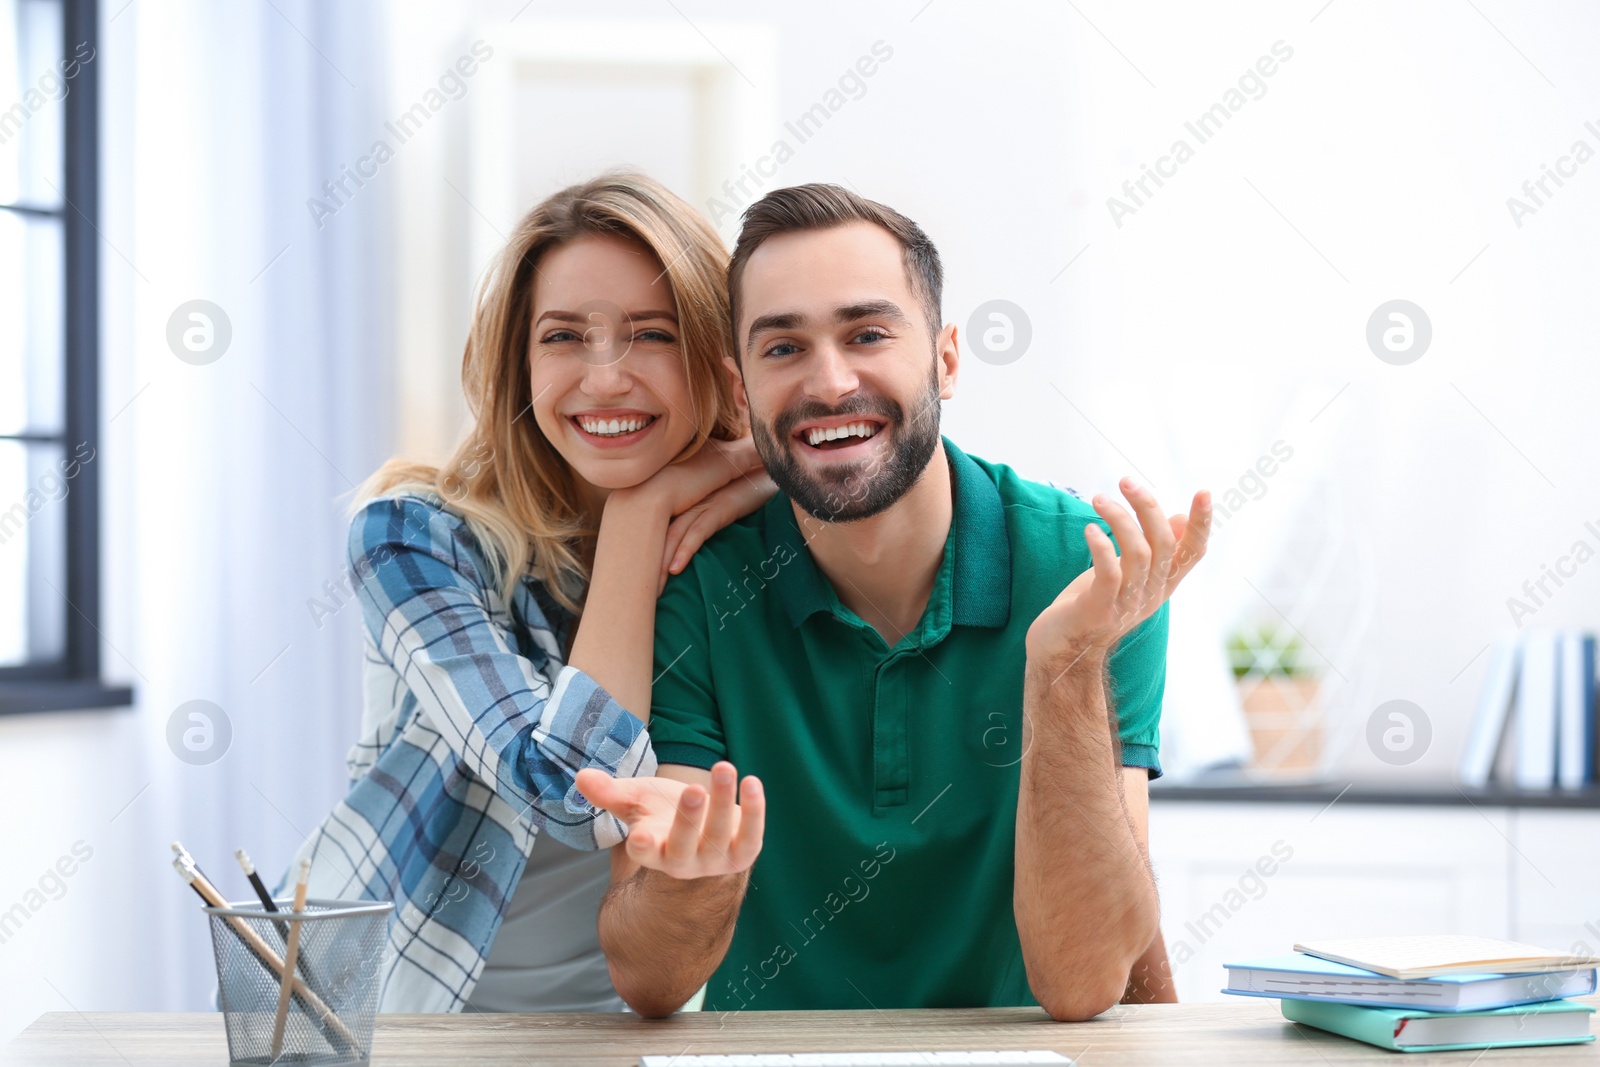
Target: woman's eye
[(556, 337), (660, 337)]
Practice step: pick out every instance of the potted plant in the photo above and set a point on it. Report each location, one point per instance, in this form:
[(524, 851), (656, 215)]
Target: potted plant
[(1279, 694)]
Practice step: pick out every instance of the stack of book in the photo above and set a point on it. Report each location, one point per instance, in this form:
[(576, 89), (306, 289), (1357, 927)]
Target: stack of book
[(1426, 994), (1537, 724)]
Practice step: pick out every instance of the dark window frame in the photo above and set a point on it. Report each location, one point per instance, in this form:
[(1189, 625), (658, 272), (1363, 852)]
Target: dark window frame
[(73, 681)]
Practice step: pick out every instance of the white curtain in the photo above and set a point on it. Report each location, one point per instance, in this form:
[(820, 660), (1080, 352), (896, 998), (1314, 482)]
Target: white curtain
[(227, 479)]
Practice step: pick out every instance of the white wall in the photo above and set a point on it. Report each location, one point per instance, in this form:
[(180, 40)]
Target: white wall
[(1229, 311)]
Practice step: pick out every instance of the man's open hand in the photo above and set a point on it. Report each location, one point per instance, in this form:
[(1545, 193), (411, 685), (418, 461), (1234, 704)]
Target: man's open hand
[(673, 829), (1119, 592)]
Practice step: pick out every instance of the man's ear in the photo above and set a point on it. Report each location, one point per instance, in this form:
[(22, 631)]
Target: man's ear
[(948, 350), (741, 401)]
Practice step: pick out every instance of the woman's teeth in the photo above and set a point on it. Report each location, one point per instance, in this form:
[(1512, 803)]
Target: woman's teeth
[(834, 433), (615, 427)]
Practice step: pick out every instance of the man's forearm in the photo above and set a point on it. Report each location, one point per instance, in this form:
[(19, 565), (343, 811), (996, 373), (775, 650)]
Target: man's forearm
[(1084, 900), (663, 936), (1150, 981)]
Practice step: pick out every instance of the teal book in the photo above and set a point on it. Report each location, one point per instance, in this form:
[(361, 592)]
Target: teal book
[(1554, 1022)]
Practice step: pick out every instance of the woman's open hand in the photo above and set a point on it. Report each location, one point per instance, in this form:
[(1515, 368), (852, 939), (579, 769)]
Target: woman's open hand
[(685, 829)]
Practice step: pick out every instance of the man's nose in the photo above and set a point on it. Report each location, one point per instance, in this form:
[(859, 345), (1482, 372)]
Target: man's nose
[(831, 376)]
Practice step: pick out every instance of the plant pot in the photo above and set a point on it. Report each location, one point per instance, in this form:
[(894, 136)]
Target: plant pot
[(1285, 723)]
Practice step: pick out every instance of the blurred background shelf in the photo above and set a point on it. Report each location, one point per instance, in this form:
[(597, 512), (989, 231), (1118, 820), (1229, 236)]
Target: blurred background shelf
[(1437, 794)]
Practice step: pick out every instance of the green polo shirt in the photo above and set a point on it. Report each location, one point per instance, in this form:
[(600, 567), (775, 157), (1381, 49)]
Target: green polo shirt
[(891, 774)]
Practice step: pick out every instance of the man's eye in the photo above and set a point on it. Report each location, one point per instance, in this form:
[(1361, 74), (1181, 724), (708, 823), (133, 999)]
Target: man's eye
[(782, 348), (871, 335)]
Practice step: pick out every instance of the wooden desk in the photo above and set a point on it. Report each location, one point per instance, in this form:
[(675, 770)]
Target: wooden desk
[(1241, 1032)]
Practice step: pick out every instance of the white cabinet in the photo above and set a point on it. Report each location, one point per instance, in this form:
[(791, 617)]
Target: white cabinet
[(1248, 879), (1555, 879)]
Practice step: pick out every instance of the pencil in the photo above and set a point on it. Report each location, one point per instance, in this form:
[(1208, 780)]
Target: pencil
[(183, 854), (289, 959), (261, 890), (269, 959), (271, 905)]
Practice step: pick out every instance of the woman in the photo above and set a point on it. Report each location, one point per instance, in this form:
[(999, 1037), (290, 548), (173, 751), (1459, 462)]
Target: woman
[(509, 600)]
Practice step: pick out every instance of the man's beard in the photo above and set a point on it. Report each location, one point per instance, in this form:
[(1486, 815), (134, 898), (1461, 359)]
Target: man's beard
[(846, 493)]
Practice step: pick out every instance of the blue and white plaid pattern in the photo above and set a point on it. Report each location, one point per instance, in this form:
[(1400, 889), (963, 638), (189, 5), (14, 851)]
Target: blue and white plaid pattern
[(472, 733)]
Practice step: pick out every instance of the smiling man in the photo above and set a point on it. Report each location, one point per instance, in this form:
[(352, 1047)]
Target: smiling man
[(945, 681)]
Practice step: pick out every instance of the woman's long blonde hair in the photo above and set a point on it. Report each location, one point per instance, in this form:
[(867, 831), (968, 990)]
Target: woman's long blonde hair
[(516, 493)]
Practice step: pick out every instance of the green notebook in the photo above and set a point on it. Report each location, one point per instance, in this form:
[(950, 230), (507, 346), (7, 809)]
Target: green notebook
[(1553, 1022)]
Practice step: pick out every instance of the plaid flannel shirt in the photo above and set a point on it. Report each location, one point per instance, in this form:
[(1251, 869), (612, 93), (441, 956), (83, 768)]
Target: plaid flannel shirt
[(472, 732)]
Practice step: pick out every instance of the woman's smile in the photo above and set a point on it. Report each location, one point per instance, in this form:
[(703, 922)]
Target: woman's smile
[(613, 427)]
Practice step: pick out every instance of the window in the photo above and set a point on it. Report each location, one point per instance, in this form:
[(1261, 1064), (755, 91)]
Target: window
[(49, 347)]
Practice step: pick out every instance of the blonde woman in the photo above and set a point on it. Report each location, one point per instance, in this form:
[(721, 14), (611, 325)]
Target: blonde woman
[(509, 600)]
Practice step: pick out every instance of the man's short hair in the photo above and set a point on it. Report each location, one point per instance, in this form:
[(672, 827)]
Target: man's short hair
[(820, 206)]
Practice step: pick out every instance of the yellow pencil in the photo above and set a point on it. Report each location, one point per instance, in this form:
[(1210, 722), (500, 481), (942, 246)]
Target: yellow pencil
[(289, 958)]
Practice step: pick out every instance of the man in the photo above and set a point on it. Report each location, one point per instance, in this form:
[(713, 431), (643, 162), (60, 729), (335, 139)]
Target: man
[(946, 679)]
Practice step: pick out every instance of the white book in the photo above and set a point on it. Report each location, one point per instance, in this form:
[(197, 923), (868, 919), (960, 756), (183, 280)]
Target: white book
[(1432, 955), (1536, 710), (1494, 710), (1577, 692)]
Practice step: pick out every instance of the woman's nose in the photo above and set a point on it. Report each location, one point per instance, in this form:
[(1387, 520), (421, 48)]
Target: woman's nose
[(606, 373)]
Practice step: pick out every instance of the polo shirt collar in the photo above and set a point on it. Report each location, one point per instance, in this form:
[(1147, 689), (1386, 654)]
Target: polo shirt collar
[(981, 585)]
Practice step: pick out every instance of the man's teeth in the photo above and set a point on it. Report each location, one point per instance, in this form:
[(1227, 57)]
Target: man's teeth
[(615, 427), (833, 433)]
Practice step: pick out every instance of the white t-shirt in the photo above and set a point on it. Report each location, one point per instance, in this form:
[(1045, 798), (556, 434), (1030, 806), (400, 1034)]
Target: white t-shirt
[(546, 955)]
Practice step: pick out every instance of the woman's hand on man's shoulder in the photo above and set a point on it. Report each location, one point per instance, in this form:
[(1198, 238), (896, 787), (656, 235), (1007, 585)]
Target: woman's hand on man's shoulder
[(720, 484)]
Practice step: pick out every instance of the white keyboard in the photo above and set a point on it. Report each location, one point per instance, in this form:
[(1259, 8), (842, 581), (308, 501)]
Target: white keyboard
[(866, 1059)]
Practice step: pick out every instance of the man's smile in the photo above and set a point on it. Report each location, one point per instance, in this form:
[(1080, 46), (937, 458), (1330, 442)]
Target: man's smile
[(838, 434)]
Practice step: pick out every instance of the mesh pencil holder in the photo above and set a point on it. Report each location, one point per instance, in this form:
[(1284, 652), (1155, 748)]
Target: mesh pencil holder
[(338, 978)]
